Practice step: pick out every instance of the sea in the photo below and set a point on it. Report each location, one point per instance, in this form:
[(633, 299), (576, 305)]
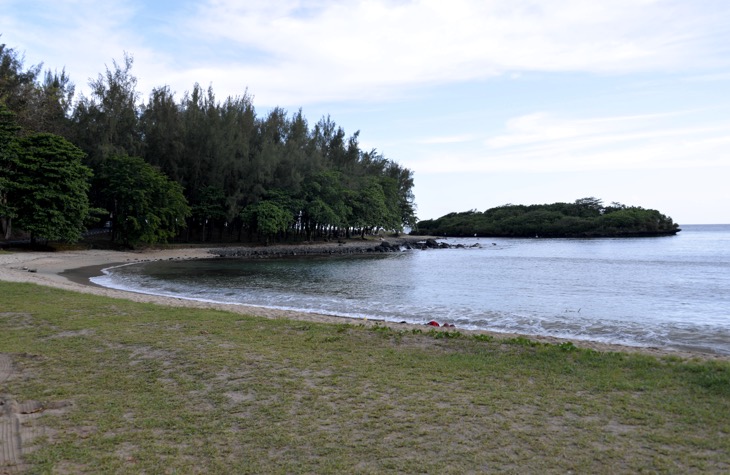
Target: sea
[(670, 292)]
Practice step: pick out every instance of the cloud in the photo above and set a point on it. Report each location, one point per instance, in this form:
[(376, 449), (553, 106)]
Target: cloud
[(299, 52), (543, 142), (542, 127), (79, 35), (368, 49)]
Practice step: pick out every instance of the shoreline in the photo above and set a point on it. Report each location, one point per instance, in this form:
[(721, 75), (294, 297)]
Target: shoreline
[(71, 270), (83, 275)]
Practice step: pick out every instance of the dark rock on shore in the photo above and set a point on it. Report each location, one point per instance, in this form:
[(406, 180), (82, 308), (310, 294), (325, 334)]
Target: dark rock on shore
[(350, 247), (385, 246)]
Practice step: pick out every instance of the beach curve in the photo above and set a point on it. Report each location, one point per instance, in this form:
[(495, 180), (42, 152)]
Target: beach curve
[(71, 270)]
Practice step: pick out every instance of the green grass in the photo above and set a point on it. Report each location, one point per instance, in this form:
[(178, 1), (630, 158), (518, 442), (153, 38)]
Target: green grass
[(176, 390)]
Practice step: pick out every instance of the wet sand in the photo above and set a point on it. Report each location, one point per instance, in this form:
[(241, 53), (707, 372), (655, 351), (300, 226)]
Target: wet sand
[(71, 270), (83, 275)]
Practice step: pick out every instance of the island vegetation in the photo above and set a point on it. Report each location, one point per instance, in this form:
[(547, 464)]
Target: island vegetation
[(586, 217), (191, 168)]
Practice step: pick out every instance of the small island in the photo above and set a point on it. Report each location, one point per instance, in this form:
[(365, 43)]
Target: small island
[(584, 218)]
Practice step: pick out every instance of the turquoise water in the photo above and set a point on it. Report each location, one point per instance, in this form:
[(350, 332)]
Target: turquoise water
[(671, 292)]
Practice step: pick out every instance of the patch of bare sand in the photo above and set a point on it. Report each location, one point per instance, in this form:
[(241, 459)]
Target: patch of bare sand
[(71, 270), (19, 424)]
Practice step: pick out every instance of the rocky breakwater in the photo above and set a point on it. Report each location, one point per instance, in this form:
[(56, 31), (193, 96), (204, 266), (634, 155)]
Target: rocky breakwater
[(419, 245), (433, 244), (337, 248)]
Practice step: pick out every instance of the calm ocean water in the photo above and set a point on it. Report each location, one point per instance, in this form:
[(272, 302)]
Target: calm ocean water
[(671, 292)]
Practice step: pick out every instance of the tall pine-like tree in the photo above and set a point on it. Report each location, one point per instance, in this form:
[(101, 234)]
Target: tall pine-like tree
[(9, 152)]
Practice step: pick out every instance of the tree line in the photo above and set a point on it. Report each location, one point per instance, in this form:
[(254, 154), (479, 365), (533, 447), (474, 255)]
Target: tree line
[(194, 167), (586, 217)]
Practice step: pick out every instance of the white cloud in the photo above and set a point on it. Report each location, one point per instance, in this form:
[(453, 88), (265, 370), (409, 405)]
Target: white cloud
[(79, 35), (542, 142), (542, 127), (300, 52), (365, 49)]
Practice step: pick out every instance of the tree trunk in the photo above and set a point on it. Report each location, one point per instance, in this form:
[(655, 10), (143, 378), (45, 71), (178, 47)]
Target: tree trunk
[(5, 226)]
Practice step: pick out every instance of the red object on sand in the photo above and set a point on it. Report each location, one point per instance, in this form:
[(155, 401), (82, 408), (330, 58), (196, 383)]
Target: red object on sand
[(433, 323)]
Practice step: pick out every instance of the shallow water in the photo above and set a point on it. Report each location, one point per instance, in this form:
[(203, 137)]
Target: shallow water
[(671, 292)]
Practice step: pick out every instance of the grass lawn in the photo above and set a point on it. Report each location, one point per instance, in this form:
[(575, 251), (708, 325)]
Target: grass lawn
[(158, 389)]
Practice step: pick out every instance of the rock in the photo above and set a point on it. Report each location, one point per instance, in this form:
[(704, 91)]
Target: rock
[(385, 246), (432, 244)]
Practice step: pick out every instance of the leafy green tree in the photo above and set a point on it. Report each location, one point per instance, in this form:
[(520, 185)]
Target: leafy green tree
[(290, 202), (267, 218), (320, 214), (50, 189), (326, 203), (146, 206), (370, 210)]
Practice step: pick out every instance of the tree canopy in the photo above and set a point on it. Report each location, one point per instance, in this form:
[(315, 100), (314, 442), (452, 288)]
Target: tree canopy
[(586, 217), (230, 161), (9, 152), (48, 188), (145, 205)]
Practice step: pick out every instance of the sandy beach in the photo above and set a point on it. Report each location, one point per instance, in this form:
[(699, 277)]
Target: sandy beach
[(71, 270)]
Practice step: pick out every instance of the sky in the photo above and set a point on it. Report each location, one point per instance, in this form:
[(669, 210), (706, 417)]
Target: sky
[(488, 102)]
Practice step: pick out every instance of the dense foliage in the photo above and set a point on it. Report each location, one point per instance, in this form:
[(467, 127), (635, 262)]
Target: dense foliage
[(9, 151), (50, 192), (146, 206), (242, 175), (43, 183), (585, 217)]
